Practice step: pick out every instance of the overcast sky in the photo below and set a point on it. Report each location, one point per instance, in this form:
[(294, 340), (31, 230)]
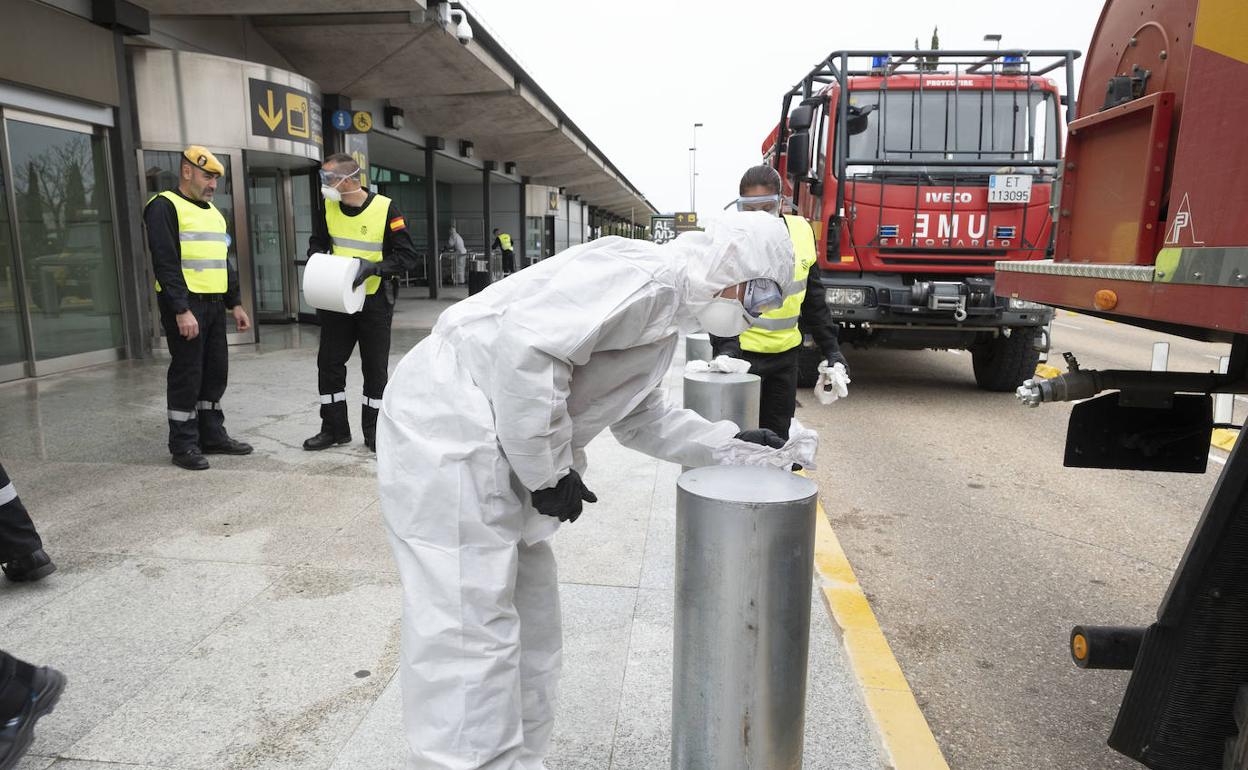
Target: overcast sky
[(636, 74)]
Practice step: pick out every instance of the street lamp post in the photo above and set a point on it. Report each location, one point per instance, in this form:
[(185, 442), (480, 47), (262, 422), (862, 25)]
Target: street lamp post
[(693, 177)]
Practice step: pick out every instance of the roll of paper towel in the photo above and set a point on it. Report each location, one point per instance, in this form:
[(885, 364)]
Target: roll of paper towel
[(327, 284)]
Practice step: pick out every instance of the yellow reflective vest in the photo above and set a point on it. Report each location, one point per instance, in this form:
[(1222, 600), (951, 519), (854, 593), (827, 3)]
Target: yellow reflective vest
[(204, 244), (776, 331), (361, 235), (504, 240)]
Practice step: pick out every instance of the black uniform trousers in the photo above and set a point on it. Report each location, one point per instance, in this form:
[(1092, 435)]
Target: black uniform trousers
[(778, 402), (339, 334), (18, 537), (509, 261), (197, 375)]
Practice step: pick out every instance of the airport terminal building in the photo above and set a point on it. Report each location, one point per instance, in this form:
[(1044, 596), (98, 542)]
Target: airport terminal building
[(97, 100)]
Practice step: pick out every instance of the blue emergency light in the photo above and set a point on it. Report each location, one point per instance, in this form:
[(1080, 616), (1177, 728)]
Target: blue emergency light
[(878, 62), (1013, 59)]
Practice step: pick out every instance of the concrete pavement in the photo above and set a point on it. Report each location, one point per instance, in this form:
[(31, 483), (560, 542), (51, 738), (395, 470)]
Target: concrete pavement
[(248, 616)]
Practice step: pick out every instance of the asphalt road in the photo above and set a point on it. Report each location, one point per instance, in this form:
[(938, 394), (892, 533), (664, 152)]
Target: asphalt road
[(979, 550)]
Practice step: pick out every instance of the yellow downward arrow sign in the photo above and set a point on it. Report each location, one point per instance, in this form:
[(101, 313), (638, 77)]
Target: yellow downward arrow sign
[(270, 118)]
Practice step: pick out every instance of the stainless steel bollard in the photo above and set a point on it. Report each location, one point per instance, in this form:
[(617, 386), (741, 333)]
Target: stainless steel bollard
[(720, 396), (698, 347), (745, 540)]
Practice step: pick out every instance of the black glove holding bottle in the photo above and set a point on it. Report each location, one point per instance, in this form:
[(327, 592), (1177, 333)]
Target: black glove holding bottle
[(763, 436), (563, 501)]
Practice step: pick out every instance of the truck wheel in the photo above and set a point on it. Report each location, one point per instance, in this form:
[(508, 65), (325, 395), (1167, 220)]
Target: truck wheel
[(1003, 363), (808, 360), (1236, 757)]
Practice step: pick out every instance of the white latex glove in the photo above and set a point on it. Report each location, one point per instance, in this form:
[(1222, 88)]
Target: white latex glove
[(833, 383), (723, 364)]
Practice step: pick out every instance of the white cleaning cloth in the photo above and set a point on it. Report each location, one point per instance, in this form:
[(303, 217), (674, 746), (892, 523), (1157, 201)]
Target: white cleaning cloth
[(802, 445), (723, 364), (327, 284), (833, 383)]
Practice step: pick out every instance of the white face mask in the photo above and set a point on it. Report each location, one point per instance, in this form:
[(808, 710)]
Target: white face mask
[(330, 193), (724, 317)]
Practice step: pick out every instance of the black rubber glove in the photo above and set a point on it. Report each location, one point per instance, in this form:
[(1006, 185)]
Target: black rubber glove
[(764, 436), (563, 501), (365, 270), (835, 357)]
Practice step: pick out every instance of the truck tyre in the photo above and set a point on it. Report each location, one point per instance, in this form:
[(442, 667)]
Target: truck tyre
[(808, 360), (1236, 757), (1002, 363)]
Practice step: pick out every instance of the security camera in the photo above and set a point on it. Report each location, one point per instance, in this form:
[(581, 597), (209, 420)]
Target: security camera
[(448, 15), (463, 30)]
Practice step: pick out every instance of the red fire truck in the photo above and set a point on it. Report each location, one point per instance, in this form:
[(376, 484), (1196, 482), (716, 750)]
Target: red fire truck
[(936, 166), (1153, 231)]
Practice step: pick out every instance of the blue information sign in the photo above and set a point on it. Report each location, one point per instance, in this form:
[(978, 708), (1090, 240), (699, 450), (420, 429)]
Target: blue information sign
[(342, 120)]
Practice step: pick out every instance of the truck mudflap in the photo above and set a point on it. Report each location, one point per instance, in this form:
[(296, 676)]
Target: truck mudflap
[(1178, 710)]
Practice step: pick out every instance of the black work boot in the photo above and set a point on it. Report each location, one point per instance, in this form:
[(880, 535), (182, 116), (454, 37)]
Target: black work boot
[(17, 731), (335, 428), (228, 446), (191, 460), (368, 424), (28, 569)]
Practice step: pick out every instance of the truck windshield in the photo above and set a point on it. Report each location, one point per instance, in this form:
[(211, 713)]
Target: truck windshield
[(1014, 127)]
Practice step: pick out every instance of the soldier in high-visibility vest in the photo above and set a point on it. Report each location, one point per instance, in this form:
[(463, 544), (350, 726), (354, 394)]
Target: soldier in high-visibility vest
[(772, 345), (502, 242), (195, 286), (367, 227)]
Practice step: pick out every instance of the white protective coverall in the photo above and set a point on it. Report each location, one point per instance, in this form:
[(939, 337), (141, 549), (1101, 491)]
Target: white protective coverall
[(501, 399)]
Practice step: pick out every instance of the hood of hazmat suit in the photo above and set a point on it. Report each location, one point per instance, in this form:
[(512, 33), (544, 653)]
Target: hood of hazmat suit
[(501, 400)]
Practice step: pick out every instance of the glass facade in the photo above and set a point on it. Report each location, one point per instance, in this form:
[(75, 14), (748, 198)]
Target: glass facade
[(12, 340), (59, 182)]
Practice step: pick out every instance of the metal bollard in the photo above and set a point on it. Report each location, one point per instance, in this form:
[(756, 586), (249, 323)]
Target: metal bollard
[(698, 347), (721, 396), (745, 540)]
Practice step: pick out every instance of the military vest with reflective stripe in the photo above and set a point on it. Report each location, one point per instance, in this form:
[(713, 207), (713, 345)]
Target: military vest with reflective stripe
[(361, 235), (504, 240), (204, 245), (776, 331)]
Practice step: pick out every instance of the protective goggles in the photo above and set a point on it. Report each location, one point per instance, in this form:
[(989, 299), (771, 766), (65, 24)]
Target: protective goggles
[(769, 203), (334, 178), (761, 295)]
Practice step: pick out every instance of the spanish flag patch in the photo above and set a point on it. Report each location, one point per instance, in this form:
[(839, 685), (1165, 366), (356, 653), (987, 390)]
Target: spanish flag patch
[(397, 224)]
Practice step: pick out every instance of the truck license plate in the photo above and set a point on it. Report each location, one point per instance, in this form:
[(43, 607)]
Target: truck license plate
[(1009, 188)]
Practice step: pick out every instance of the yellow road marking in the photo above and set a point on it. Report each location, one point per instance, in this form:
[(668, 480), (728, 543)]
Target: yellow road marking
[(899, 724)]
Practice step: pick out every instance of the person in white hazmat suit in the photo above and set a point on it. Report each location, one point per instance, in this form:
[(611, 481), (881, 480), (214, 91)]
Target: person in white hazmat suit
[(481, 452)]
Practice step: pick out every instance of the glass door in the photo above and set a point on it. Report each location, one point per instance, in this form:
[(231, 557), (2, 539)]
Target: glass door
[(303, 185), (66, 266), (12, 329), (266, 208)]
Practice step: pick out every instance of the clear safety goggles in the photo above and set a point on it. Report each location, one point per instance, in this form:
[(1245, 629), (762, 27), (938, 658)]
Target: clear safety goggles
[(769, 203), (334, 178), (761, 295)]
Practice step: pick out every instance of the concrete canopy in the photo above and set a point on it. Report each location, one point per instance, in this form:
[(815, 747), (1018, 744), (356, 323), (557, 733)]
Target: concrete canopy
[(396, 50)]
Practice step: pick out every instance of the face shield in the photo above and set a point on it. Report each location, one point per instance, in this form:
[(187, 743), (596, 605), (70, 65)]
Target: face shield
[(769, 203)]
